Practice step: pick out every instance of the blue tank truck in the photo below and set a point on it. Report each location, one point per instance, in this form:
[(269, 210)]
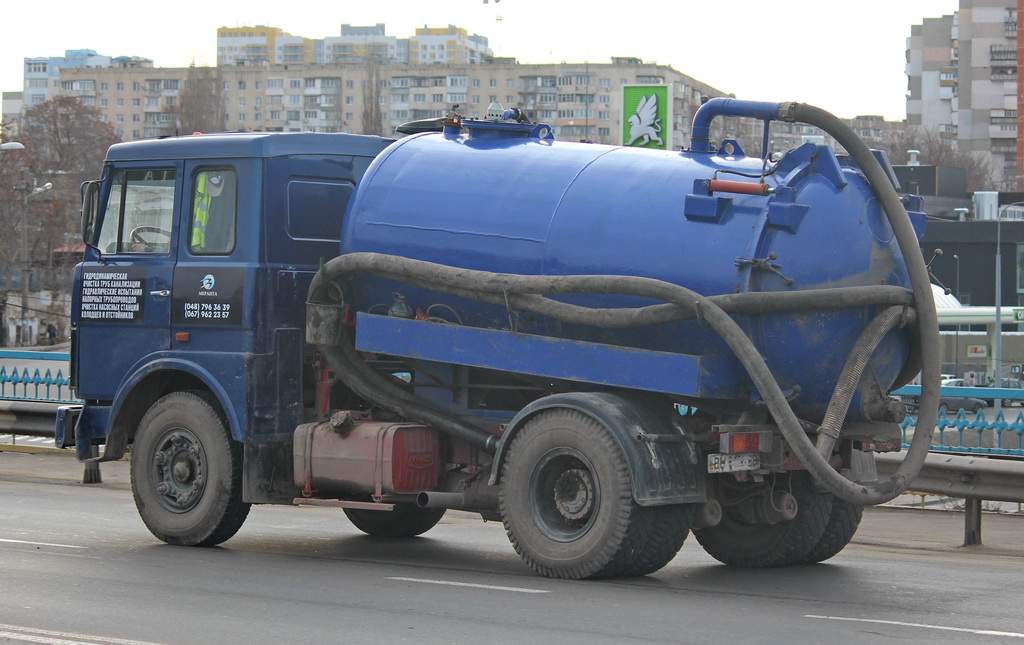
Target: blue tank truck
[(605, 348)]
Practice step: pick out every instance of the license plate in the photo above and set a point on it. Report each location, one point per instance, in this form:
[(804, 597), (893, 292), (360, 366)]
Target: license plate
[(724, 463)]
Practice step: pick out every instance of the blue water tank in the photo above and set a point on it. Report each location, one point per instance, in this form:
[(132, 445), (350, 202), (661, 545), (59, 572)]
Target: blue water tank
[(496, 199)]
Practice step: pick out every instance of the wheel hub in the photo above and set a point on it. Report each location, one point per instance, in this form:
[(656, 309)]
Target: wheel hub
[(178, 471), (574, 494)]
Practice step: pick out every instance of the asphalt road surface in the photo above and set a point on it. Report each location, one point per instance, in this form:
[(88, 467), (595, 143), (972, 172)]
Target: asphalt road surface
[(77, 566)]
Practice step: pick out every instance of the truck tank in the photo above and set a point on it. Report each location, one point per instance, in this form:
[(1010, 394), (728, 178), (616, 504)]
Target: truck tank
[(506, 198)]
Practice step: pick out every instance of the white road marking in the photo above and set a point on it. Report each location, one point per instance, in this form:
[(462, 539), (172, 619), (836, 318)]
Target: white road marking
[(48, 637), (63, 546), (449, 583), (944, 628)]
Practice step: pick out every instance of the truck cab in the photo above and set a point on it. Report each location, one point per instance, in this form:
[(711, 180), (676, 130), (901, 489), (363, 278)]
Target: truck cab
[(200, 250)]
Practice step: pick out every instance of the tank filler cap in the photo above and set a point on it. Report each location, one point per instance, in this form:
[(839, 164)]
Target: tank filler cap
[(495, 112)]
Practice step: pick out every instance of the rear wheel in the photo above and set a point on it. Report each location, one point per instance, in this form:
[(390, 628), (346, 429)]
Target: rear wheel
[(843, 521), (742, 540), (406, 520), (669, 530), (187, 472), (567, 502)]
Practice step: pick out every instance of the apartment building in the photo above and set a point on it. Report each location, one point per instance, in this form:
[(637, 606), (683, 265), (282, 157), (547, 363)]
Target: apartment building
[(581, 101)]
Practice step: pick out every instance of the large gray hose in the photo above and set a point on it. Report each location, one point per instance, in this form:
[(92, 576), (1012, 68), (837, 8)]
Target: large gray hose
[(502, 287), (927, 319)]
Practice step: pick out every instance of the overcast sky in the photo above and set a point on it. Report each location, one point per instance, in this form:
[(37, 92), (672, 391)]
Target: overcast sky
[(847, 58)]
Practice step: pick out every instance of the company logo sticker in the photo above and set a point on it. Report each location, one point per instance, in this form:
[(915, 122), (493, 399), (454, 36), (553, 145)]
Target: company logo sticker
[(208, 282)]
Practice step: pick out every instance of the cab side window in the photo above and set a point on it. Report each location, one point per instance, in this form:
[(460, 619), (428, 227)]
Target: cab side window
[(214, 212), (139, 212)]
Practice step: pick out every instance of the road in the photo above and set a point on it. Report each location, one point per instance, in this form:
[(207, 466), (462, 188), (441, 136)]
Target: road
[(79, 567)]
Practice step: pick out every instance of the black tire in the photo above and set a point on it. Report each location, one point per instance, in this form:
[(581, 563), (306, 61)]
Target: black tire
[(741, 544), (669, 530), (843, 521), (977, 407), (567, 503), (187, 472), (406, 520)]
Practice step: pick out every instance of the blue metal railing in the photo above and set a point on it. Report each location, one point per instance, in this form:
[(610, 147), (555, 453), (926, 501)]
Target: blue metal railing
[(962, 434), (972, 433), (34, 385)]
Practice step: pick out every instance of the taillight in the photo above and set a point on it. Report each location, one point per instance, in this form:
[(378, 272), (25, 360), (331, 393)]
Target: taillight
[(737, 442)]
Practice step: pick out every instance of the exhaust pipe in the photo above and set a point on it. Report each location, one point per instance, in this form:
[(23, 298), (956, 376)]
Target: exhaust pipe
[(473, 500)]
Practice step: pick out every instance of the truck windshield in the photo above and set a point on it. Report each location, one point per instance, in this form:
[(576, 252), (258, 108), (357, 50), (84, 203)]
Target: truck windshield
[(139, 212)]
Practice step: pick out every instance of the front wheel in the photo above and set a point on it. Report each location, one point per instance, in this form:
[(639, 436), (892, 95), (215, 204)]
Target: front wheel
[(187, 472), (567, 503)]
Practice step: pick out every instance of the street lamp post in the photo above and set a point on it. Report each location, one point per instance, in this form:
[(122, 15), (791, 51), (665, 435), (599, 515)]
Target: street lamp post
[(956, 344), (998, 341), (23, 337)]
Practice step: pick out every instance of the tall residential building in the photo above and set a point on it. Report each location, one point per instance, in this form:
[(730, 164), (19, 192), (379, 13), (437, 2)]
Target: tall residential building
[(270, 45), (932, 75), (263, 44), (447, 45), (360, 43), (42, 74), (962, 80)]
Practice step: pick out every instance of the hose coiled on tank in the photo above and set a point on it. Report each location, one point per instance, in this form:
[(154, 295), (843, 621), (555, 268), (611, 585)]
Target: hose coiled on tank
[(523, 292)]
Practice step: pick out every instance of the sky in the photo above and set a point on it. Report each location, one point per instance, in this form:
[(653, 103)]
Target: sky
[(847, 58)]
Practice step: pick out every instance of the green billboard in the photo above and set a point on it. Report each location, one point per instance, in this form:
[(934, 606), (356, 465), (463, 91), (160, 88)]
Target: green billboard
[(647, 116)]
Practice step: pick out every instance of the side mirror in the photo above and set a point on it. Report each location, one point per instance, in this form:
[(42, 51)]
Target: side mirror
[(90, 212)]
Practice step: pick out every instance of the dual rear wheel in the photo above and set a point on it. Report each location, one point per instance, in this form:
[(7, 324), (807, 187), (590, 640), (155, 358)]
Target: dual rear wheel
[(568, 509)]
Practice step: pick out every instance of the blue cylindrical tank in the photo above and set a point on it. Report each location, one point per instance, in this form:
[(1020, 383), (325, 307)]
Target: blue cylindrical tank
[(498, 200)]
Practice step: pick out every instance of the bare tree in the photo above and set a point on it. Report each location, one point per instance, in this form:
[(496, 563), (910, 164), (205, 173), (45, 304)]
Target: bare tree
[(66, 136), (200, 101), (65, 144), (936, 150), (371, 97)]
